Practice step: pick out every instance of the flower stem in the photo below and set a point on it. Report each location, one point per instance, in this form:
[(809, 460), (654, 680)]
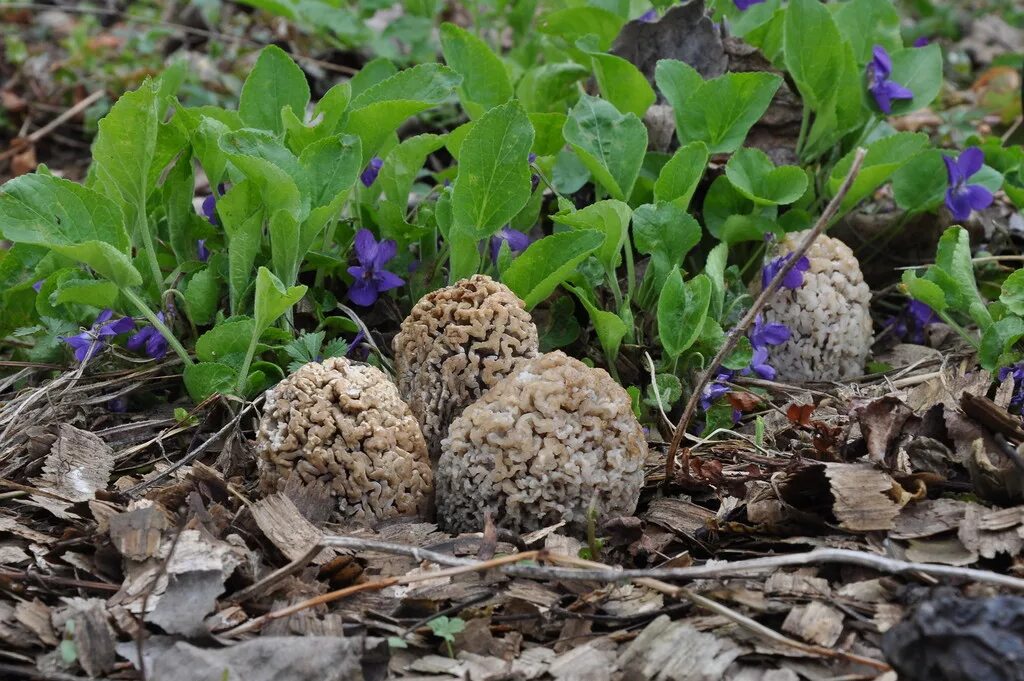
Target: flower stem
[(243, 371), (151, 317), (959, 329), (147, 244), (805, 120)]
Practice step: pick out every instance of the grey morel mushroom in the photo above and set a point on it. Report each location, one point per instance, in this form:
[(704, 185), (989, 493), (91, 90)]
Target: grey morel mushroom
[(538, 446), (344, 424), (828, 315), (456, 343)]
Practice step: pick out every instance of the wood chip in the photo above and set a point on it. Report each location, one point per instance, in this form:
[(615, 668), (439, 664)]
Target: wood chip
[(93, 635), (592, 661), (860, 493), (35, 616), (992, 532), (137, 533), (79, 464), (815, 623), (928, 517), (800, 583), (950, 551), (682, 517), (675, 651), (281, 522)]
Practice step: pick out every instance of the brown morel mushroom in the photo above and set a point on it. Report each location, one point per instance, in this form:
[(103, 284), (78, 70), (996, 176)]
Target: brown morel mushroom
[(344, 424), (538, 446), (456, 343), (828, 315)]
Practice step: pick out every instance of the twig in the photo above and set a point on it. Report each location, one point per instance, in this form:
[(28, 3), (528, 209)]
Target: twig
[(276, 576), (21, 143), (740, 567), (741, 327), (744, 621), (194, 454), (465, 565), (57, 581)]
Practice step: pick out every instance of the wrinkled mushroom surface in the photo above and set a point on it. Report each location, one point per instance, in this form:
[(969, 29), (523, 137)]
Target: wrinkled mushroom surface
[(456, 343), (538, 446), (828, 315), (345, 425)]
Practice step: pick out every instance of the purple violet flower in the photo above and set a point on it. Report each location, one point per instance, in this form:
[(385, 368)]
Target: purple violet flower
[(150, 339), (793, 280), (765, 334), (962, 198), (369, 175), (759, 365), (371, 279), (118, 405), (648, 17), (743, 5), (517, 242), (1017, 372), (202, 252), (89, 342), (715, 389), (922, 41), (881, 88), (38, 286), (209, 209)]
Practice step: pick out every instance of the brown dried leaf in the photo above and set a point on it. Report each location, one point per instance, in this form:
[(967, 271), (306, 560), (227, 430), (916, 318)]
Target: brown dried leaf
[(815, 623), (78, 466), (676, 651), (682, 517), (861, 497), (137, 533), (881, 423), (928, 517), (989, 532), (285, 527)]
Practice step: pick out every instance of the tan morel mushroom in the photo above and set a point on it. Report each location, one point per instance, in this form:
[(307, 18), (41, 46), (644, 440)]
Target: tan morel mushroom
[(456, 343), (345, 425), (828, 315), (538, 446)]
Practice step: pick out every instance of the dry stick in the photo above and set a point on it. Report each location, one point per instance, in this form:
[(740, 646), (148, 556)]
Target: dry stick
[(740, 329), (26, 576), (742, 620), (19, 144), (276, 576), (465, 565), (733, 569)]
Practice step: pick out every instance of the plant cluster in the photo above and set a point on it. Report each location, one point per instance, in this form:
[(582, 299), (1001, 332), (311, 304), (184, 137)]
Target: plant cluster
[(366, 198)]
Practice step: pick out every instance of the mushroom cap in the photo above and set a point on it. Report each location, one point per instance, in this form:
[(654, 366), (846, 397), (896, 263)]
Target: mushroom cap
[(456, 343), (828, 317), (344, 424), (538, 446)]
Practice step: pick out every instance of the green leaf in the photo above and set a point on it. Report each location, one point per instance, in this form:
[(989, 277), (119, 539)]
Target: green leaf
[(274, 83), (208, 378), (123, 153), (920, 69), (754, 175), (811, 54), (331, 167), (997, 343), (70, 219), (493, 183), (327, 115), (550, 87), (202, 296), (241, 212), (610, 144), (610, 217), (485, 82), (1012, 293), (547, 128), (953, 257), (679, 177), (401, 167), (682, 308), (374, 71), (883, 158), (87, 292), (929, 293), (721, 111), (619, 80), (721, 202), (866, 23), (178, 190), (272, 299), (678, 81), (576, 22), (718, 260), (609, 327), (548, 262), (667, 233), (558, 327), (380, 109), (227, 342)]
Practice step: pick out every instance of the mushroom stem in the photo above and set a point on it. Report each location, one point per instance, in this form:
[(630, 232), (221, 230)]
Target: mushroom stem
[(738, 331)]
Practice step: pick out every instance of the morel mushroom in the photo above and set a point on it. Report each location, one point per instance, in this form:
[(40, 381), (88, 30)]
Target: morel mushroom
[(456, 343), (538, 446), (345, 425), (826, 310)]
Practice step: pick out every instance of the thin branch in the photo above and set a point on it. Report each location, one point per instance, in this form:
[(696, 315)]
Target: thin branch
[(21, 143), (463, 566), (735, 568), (276, 576), (741, 327)]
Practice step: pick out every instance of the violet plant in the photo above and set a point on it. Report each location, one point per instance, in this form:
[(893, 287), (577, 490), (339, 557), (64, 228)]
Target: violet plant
[(558, 193)]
